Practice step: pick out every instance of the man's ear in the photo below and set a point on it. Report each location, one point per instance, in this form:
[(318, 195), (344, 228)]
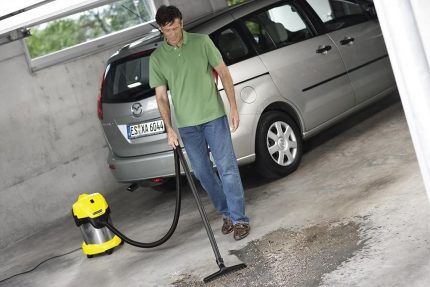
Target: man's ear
[(159, 28)]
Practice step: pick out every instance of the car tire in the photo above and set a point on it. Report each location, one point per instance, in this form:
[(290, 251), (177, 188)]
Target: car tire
[(279, 145)]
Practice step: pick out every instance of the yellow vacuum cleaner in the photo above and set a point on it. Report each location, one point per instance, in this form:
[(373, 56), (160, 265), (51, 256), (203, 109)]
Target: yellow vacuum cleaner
[(87, 212), (91, 214)]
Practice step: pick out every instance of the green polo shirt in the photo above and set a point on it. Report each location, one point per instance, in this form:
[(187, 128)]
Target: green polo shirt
[(188, 71)]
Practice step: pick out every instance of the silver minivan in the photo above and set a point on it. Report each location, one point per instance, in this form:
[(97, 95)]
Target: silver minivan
[(297, 67)]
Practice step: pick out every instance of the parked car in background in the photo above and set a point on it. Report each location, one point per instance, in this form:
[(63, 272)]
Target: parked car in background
[(297, 67)]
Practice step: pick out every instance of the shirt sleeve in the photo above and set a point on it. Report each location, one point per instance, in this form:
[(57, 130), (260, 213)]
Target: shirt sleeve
[(212, 52), (156, 77)]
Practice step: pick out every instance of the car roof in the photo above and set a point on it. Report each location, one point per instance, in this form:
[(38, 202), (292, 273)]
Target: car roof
[(204, 23)]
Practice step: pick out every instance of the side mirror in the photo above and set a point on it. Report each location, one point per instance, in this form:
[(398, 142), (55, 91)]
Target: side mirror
[(369, 8), (372, 12)]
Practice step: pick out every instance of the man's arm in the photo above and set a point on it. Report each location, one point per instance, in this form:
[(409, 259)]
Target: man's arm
[(164, 108), (227, 83)]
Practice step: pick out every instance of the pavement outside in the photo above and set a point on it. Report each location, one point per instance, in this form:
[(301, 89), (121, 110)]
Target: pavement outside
[(355, 213)]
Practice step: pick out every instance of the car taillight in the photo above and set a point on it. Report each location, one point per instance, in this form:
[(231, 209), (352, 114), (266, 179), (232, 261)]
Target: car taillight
[(99, 99), (216, 77), (157, 180), (99, 107)]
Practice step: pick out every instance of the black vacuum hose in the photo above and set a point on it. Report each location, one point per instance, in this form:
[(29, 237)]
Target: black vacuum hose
[(175, 217)]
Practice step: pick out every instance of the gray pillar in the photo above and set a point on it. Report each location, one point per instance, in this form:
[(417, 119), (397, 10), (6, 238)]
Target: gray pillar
[(406, 28)]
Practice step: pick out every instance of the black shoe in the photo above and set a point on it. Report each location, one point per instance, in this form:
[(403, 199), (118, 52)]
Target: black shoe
[(227, 226), (241, 230)]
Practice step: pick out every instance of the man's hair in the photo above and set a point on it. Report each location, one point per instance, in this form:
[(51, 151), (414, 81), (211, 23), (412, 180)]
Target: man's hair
[(167, 14)]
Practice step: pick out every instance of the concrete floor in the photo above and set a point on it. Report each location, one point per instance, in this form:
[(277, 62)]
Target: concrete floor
[(355, 213)]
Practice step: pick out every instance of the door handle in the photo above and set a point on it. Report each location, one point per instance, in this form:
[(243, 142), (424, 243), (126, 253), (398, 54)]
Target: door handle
[(347, 41), (323, 49)]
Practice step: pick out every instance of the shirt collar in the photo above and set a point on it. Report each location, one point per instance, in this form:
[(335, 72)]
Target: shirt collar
[(184, 41)]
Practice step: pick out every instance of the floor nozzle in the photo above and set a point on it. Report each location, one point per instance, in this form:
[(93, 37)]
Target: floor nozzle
[(223, 270)]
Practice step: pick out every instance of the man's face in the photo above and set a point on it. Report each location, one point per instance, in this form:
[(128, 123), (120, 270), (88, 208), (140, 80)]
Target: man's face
[(173, 31)]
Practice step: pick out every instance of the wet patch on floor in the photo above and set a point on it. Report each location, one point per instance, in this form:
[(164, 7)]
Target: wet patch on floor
[(290, 258)]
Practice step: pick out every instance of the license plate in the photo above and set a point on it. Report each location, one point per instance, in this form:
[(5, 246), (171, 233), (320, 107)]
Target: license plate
[(145, 129)]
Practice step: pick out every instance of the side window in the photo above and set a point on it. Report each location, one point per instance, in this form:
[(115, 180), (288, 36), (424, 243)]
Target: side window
[(337, 14), (276, 27), (231, 45)]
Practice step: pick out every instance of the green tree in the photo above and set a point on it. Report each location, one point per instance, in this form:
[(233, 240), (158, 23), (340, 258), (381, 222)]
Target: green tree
[(55, 36)]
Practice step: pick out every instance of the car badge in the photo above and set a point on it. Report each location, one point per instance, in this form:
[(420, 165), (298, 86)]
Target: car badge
[(137, 109)]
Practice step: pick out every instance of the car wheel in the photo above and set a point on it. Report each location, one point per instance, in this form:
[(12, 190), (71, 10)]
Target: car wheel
[(279, 145)]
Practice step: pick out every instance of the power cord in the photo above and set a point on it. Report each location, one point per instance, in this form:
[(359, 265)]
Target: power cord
[(46, 260)]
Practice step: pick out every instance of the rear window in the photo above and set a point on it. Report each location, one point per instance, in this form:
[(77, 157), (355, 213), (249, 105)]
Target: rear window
[(127, 80)]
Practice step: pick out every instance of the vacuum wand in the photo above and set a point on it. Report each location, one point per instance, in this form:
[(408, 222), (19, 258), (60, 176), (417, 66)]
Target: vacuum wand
[(220, 262), (202, 211)]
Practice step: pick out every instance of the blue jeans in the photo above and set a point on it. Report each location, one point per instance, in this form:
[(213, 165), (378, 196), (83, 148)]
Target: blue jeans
[(225, 191)]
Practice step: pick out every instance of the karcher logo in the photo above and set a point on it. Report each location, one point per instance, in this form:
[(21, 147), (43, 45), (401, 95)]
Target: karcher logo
[(97, 212)]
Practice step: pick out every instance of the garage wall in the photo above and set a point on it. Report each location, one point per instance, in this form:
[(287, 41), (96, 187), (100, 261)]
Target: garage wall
[(52, 147)]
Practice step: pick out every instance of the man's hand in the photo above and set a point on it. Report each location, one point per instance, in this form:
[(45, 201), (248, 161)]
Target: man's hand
[(234, 116), (172, 138)]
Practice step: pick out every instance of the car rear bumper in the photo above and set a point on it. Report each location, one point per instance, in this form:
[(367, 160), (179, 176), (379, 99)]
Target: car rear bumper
[(130, 169)]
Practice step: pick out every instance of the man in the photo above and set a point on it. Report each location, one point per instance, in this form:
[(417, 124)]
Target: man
[(185, 63)]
